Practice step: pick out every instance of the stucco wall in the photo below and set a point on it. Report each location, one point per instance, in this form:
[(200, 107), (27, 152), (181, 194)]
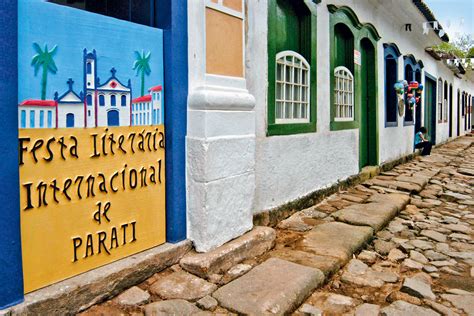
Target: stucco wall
[(288, 167)]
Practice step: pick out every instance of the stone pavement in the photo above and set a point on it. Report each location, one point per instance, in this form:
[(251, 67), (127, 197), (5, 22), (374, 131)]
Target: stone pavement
[(401, 243)]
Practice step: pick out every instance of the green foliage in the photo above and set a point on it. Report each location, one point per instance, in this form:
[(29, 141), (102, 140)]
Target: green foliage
[(142, 66), (463, 47), (470, 53), (44, 59)]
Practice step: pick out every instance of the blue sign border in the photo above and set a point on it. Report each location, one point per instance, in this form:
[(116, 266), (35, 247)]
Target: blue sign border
[(172, 17)]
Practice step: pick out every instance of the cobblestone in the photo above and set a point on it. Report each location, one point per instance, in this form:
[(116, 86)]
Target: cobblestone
[(415, 259)]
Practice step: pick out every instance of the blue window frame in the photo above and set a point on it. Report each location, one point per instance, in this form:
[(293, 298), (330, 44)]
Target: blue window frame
[(50, 119), (89, 68), (148, 118), (32, 118), (101, 100), (23, 119), (113, 100), (412, 73), (89, 99), (41, 120), (391, 55), (123, 100)]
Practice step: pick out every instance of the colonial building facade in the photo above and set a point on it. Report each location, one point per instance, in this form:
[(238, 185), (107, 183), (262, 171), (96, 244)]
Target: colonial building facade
[(265, 102)]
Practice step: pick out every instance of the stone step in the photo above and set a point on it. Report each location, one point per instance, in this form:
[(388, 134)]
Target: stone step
[(335, 239), (254, 243), (275, 287), (376, 214), (328, 265)]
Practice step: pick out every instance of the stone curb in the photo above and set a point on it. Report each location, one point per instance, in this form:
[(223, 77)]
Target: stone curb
[(274, 216), (252, 244)]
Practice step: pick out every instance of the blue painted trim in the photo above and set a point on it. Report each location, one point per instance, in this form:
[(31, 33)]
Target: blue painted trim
[(11, 274), (416, 65), (393, 48), (110, 79), (391, 51), (172, 17)]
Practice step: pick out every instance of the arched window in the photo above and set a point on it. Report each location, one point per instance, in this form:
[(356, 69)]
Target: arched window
[(123, 100), (101, 100), (391, 54), (70, 120), (89, 68), (343, 84), (89, 99), (292, 57), (343, 94), (113, 100), (412, 73), (292, 92)]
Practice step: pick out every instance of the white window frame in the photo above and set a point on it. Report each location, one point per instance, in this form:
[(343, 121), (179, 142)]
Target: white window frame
[(303, 86), (350, 104), (440, 100)]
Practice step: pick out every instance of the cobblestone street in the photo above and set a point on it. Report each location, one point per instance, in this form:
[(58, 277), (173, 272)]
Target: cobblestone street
[(400, 243)]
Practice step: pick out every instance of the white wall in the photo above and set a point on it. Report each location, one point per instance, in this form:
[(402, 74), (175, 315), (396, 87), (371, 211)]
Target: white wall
[(75, 108), (220, 147), (289, 167)]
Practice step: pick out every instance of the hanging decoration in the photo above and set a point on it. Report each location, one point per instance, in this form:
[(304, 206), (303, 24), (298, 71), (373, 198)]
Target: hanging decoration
[(465, 62), (435, 26), (408, 93)]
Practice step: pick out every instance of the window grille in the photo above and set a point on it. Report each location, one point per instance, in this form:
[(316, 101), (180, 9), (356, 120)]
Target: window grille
[(343, 94), (292, 88)]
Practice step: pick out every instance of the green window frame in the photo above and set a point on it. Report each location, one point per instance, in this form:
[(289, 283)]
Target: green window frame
[(346, 34), (291, 32)]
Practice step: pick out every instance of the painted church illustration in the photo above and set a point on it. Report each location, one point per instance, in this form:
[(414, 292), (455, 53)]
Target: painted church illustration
[(102, 104)]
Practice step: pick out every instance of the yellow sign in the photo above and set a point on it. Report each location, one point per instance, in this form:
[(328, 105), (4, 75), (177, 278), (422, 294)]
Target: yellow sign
[(88, 197)]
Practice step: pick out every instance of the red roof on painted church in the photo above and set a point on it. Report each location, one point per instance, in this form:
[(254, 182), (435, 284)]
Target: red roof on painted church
[(156, 88), (38, 103), (145, 98)]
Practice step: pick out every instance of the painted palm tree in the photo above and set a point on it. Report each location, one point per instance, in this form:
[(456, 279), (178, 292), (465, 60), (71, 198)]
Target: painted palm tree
[(142, 66), (44, 59)]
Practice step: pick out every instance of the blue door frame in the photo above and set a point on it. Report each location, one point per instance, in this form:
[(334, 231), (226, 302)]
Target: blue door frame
[(172, 18)]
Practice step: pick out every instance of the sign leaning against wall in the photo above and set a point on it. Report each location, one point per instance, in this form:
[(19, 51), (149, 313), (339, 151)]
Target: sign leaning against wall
[(91, 140)]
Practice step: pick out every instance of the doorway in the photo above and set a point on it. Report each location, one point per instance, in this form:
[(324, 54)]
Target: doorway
[(368, 113), (430, 107), (458, 122), (450, 123)]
